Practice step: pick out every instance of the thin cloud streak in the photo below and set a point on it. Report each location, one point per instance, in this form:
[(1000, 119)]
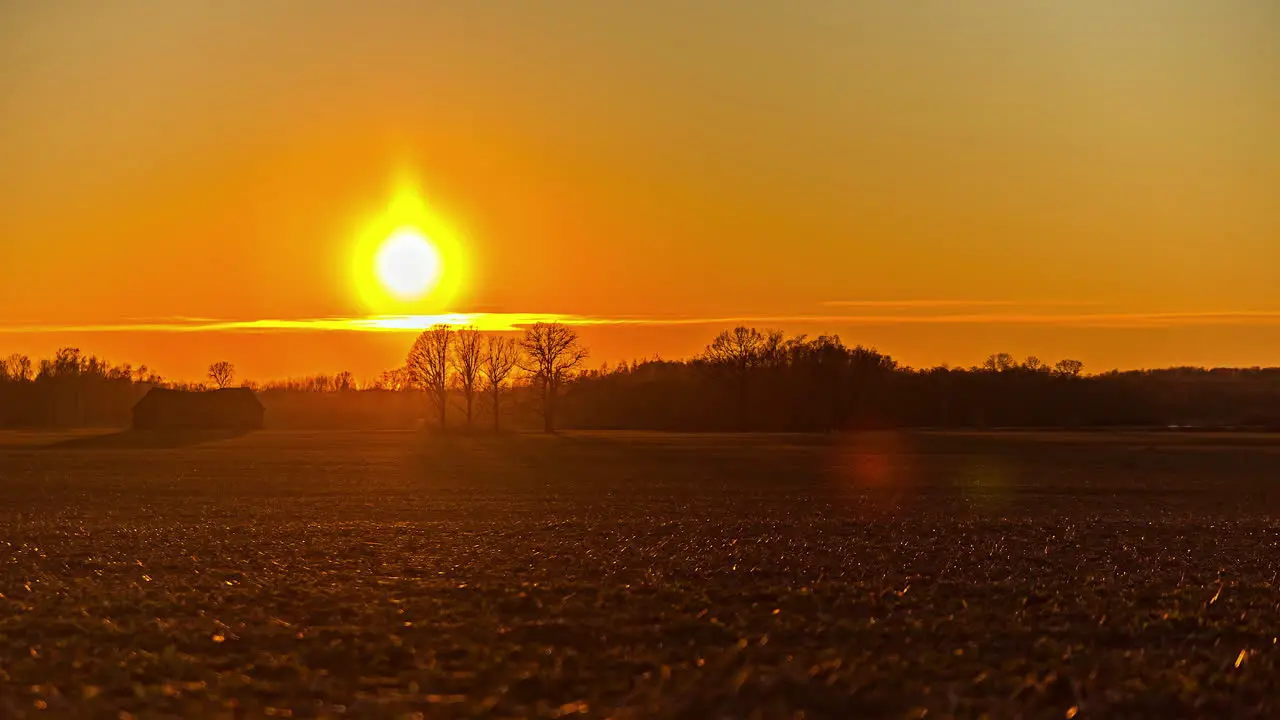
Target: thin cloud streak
[(508, 322), (952, 303)]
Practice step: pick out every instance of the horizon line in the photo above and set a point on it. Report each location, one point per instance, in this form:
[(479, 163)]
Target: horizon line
[(515, 322)]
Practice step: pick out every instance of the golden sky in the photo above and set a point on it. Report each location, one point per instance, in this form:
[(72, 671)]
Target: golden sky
[(943, 179)]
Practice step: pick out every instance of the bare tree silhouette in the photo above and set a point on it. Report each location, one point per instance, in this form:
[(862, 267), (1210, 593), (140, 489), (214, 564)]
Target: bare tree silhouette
[(66, 362), (222, 373), (17, 367), (428, 366), (393, 380), (146, 375), (739, 351), (1000, 362), (774, 349), (468, 353), (552, 354), (501, 355), (1068, 368)]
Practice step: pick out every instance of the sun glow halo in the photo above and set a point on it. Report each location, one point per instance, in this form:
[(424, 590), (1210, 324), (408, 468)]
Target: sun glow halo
[(408, 264), (406, 260)]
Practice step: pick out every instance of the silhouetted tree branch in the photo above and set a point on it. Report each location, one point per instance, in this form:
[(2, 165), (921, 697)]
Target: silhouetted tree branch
[(467, 356), (1068, 368), (552, 354), (393, 380), (1000, 362), (738, 351), (17, 367), (501, 355), (428, 366), (222, 373)]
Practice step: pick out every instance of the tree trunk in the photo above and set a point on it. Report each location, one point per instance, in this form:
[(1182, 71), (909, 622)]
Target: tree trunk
[(836, 394), (742, 401), (443, 399), (470, 396), (548, 407)]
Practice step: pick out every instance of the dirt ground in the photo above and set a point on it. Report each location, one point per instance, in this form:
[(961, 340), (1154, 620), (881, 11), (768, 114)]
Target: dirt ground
[(388, 574)]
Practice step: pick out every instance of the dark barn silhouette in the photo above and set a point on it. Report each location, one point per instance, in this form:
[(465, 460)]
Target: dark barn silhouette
[(230, 409)]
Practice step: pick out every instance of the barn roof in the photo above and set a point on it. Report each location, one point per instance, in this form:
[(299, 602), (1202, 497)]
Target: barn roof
[(162, 409), (224, 399)]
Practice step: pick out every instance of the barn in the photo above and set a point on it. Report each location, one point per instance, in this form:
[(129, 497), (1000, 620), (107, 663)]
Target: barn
[(228, 409)]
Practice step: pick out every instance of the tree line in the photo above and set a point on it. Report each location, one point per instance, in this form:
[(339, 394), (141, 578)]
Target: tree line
[(443, 357), (745, 379), (70, 388), (762, 380)]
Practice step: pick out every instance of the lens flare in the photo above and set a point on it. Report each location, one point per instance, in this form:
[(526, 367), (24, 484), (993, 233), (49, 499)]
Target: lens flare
[(874, 470)]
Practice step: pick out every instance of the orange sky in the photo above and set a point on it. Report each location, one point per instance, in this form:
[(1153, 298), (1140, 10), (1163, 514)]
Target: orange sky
[(1092, 179)]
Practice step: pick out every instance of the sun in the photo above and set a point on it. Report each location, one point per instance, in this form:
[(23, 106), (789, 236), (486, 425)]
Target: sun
[(406, 260), (408, 264)]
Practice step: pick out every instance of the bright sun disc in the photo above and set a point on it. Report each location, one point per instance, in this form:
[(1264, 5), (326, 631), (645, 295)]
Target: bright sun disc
[(405, 259), (408, 264)]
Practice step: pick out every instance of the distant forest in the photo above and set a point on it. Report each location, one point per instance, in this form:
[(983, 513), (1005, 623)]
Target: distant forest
[(745, 380)]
